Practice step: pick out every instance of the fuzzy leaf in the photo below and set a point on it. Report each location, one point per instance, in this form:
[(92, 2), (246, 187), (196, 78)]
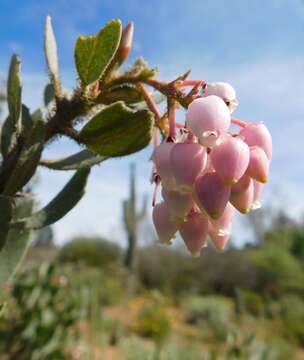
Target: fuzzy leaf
[(59, 206), (8, 136), (14, 89), (117, 130), (127, 93), (29, 157), (50, 48), (82, 159), (5, 218), (26, 121), (93, 54), (18, 241)]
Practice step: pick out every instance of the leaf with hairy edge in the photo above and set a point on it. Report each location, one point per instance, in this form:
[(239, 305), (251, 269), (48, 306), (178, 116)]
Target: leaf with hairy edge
[(18, 241), (127, 93), (117, 130), (6, 207), (59, 206), (93, 54), (29, 157), (82, 159), (50, 48)]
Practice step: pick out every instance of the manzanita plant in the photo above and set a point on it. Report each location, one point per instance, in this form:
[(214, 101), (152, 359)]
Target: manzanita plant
[(206, 171)]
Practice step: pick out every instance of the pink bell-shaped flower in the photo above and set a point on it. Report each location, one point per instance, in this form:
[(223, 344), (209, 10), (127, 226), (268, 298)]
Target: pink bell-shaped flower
[(258, 167), (162, 160), (223, 90), (165, 226), (258, 135), (207, 114), (188, 161), (230, 159), (212, 194), (178, 204), (258, 187), (242, 194), (220, 241), (222, 226), (194, 232)]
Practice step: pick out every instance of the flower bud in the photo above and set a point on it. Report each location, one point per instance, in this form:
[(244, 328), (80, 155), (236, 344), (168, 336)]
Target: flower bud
[(258, 135), (220, 241), (212, 194), (164, 225), (223, 90), (162, 160), (242, 194), (125, 43), (258, 167), (178, 204), (188, 160), (207, 114), (230, 159), (194, 233)]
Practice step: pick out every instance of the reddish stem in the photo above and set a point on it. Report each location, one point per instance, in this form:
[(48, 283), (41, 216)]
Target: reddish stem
[(239, 122), (150, 102)]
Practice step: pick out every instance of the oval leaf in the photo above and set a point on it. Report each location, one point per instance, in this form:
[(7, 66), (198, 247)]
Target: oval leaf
[(29, 157), (80, 160), (93, 54), (117, 130), (18, 241), (59, 206), (50, 48), (14, 89)]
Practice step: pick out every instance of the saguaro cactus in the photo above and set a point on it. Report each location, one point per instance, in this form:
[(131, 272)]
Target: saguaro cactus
[(132, 218)]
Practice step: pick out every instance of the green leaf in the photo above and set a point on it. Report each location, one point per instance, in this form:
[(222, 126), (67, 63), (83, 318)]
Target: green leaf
[(26, 121), (117, 130), (49, 94), (8, 136), (14, 89), (82, 159), (29, 157), (93, 54), (6, 207), (50, 49), (127, 93), (59, 206), (18, 241)]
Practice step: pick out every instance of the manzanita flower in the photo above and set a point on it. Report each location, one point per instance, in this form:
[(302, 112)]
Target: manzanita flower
[(223, 90), (179, 204), (258, 165), (162, 160), (230, 159), (258, 134), (212, 194), (207, 173), (165, 226), (188, 161), (242, 196), (207, 114), (194, 232)]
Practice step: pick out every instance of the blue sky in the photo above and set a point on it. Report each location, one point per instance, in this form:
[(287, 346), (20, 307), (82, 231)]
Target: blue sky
[(257, 46)]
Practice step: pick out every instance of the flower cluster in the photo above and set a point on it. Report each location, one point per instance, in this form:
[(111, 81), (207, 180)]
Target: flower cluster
[(207, 172)]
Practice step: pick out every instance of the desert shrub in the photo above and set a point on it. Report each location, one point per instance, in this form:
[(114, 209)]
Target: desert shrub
[(292, 313), (210, 312), (278, 271), (90, 251), (46, 310), (253, 302), (153, 322)]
